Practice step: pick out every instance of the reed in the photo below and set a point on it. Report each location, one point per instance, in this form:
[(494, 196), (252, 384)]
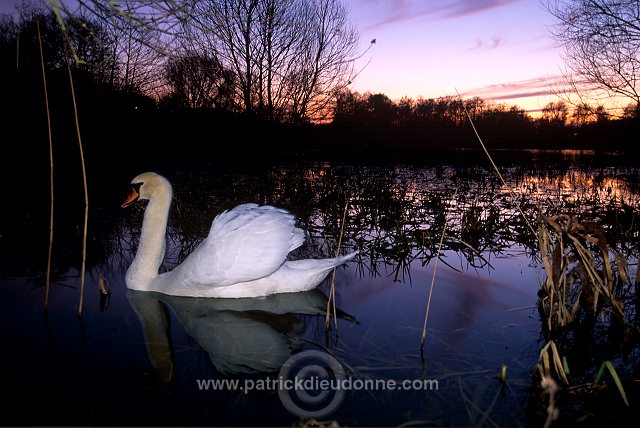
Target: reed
[(331, 302), (579, 272), (105, 293), (84, 182), (493, 164), (18, 46), (582, 274), (550, 388), (46, 102), (56, 8), (549, 353), (423, 339), (614, 374)]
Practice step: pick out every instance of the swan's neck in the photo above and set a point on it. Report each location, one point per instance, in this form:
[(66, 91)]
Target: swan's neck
[(144, 268)]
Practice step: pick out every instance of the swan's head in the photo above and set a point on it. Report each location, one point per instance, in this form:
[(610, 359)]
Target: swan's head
[(147, 186)]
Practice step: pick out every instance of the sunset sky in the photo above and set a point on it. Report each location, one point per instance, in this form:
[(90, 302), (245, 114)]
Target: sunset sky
[(495, 49)]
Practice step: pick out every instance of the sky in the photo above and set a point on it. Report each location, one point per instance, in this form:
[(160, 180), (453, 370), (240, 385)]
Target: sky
[(500, 50)]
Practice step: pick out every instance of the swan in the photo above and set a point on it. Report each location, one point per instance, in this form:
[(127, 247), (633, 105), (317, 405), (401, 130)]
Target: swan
[(244, 254)]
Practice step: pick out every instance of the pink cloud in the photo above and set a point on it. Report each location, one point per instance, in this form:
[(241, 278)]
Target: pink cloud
[(460, 8), (535, 87), (490, 44), (515, 95), (398, 11)]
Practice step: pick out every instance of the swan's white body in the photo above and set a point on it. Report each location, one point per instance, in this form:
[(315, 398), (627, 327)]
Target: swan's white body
[(244, 254)]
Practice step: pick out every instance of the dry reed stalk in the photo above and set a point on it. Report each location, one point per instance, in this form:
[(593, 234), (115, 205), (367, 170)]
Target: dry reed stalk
[(423, 339), (46, 102), (504, 183), (470, 404), (621, 265), (551, 388), (103, 286), (57, 9), (545, 368), (569, 251), (18, 47), (84, 181), (332, 292)]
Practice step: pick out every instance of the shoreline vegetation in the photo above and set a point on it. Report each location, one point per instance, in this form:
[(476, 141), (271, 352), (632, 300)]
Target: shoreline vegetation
[(121, 136), (118, 126), (119, 121)]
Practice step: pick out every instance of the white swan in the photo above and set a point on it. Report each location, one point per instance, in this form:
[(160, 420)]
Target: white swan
[(244, 254)]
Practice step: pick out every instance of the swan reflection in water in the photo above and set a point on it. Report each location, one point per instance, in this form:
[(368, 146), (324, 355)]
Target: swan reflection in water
[(246, 335)]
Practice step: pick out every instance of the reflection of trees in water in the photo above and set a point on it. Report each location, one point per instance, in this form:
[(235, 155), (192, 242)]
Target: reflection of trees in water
[(395, 215)]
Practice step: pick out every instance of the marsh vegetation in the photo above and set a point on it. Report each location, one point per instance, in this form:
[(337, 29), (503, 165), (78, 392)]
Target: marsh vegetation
[(502, 293)]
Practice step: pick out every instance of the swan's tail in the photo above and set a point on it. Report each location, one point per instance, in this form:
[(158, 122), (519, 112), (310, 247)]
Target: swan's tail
[(303, 275), (343, 259), (319, 265)]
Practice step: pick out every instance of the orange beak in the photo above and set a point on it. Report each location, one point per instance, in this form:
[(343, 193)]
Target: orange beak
[(131, 199)]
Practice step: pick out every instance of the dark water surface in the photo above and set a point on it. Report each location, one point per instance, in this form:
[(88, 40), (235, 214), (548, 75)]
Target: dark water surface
[(143, 359)]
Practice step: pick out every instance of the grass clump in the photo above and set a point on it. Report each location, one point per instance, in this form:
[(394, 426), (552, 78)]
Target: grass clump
[(580, 272), (582, 308)]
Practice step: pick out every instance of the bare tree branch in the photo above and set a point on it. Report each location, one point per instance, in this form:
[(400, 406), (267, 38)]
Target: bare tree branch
[(601, 41)]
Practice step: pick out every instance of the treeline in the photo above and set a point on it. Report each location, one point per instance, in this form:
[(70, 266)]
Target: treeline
[(151, 103), (445, 122)]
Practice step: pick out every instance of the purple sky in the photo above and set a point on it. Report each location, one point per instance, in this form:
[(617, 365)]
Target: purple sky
[(495, 49)]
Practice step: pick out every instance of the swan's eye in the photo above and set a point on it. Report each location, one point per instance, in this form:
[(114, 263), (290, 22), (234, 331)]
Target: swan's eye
[(136, 186)]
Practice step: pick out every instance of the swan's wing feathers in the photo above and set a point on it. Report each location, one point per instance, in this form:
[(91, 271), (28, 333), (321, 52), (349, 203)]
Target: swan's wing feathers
[(246, 243)]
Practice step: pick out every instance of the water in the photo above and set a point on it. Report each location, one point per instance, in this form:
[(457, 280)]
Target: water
[(144, 359)]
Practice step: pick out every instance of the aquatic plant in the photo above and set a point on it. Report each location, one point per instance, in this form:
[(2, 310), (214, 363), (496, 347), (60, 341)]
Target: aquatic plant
[(46, 103), (580, 271), (581, 304)]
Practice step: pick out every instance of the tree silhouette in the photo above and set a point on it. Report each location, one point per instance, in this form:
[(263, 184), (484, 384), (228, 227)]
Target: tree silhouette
[(197, 81), (555, 113), (601, 40), (84, 45), (289, 57)]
